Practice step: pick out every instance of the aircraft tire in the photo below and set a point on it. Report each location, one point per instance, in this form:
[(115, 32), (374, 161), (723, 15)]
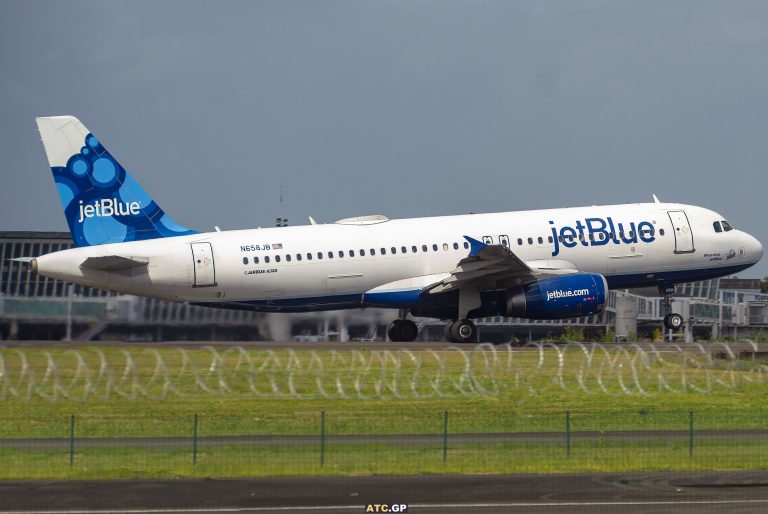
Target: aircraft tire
[(394, 332), (409, 331), (673, 321), (463, 331)]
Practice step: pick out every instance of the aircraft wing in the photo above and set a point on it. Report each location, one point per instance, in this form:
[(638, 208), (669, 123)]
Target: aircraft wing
[(497, 267), (113, 262)]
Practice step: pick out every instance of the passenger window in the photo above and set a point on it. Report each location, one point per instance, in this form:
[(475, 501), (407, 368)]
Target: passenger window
[(255, 260), (298, 256), (330, 255), (530, 240), (373, 251), (581, 237), (319, 255), (383, 251), (455, 246), (541, 240), (403, 249), (423, 248), (434, 247), (560, 238), (445, 247), (362, 252), (266, 259), (504, 241), (611, 235), (591, 237), (466, 245), (277, 258), (341, 254), (550, 239), (519, 241), (413, 249), (661, 231), (351, 253), (309, 256), (245, 260), (393, 250), (288, 257)]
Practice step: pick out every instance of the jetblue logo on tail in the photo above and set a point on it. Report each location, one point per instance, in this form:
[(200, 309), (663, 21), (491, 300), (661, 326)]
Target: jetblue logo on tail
[(599, 232), (108, 207)]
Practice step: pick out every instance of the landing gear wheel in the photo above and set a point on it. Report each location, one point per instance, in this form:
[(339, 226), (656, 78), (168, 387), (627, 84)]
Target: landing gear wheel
[(673, 321), (461, 331), (403, 331)]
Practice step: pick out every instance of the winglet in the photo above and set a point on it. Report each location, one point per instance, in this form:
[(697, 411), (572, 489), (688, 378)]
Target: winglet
[(656, 199), (312, 221), (474, 246)]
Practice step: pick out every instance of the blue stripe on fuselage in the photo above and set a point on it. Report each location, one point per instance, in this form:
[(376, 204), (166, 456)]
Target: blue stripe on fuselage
[(355, 301)]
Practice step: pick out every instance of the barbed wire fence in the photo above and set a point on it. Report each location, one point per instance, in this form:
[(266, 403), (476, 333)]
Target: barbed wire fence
[(486, 370)]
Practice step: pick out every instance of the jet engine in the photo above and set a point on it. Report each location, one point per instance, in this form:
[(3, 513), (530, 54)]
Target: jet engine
[(567, 296)]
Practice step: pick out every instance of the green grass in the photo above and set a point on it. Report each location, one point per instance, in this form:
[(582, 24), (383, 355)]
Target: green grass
[(529, 398)]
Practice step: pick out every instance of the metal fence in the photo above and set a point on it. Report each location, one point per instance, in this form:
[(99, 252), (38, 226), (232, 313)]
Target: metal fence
[(339, 443)]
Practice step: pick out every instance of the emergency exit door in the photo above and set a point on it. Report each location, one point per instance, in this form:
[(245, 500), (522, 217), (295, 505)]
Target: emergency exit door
[(205, 270), (682, 231)]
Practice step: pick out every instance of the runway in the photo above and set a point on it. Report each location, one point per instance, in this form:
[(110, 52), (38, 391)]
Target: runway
[(733, 492)]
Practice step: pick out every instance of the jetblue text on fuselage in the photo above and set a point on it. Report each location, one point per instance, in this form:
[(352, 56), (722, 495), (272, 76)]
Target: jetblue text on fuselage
[(599, 232), (108, 207)]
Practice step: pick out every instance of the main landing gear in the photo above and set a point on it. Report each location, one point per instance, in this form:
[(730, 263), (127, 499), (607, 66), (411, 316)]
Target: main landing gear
[(402, 331), (461, 331), (672, 320)]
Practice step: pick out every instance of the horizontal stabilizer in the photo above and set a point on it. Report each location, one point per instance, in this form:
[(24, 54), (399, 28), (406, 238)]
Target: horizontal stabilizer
[(113, 262)]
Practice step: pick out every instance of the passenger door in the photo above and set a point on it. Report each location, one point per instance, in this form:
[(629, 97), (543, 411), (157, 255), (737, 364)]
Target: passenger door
[(682, 231), (205, 270)]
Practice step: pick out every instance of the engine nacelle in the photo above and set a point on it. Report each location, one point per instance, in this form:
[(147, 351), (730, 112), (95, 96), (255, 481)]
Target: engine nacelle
[(567, 296)]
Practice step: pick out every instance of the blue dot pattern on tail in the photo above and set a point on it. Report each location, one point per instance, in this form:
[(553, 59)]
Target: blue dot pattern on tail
[(104, 204)]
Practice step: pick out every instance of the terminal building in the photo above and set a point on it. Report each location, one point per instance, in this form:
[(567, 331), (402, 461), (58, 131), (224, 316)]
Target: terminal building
[(35, 307)]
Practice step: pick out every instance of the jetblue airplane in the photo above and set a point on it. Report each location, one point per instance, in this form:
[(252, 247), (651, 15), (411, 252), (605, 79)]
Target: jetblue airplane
[(542, 264)]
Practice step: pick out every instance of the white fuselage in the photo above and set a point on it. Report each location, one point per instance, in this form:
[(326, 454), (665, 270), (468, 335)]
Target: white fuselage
[(330, 266)]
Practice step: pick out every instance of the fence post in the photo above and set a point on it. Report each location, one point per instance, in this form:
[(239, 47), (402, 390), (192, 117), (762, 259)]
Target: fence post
[(567, 434), (194, 442), (445, 436), (322, 438), (71, 440), (690, 434)]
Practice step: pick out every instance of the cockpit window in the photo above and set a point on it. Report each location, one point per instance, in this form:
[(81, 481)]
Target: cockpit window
[(726, 226), (717, 226)]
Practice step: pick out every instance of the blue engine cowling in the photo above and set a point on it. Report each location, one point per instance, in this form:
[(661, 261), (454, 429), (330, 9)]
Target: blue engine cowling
[(568, 296)]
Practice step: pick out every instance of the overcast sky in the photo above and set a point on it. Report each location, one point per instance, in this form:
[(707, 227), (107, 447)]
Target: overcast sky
[(404, 108)]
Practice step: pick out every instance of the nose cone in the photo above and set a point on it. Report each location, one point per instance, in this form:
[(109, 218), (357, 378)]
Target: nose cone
[(754, 248)]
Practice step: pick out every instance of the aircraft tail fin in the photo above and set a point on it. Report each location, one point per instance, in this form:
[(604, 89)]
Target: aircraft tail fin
[(102, 202)]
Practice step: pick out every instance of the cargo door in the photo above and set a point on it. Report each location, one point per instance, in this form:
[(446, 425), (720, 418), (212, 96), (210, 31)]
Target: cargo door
[(205, 270)]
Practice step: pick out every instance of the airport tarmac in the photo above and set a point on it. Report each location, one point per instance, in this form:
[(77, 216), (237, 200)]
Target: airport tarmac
[(758, 350), (733, 492)]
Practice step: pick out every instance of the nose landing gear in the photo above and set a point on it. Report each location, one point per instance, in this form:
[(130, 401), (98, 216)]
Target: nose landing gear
[(672, 320)]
